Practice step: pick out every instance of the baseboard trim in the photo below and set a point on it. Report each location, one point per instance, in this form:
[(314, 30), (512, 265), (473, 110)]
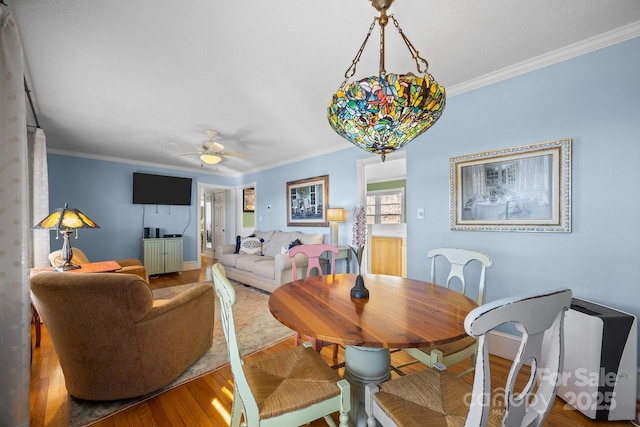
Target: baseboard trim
[(191, 265), (503, 345)]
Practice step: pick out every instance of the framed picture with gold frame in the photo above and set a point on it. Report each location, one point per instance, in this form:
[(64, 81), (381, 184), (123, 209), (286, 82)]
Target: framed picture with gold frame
[(307, 202), (525, 188)]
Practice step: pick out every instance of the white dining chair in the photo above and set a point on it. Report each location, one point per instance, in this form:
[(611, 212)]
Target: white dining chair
[(434, 397), (465, 348), (290, 387)]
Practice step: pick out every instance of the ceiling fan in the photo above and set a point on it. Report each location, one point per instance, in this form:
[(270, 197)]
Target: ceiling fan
[(212, 152)]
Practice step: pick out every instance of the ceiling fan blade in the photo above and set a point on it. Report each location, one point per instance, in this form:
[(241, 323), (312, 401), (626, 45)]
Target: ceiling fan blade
[(212, 145), (190, 152), (231, 153)]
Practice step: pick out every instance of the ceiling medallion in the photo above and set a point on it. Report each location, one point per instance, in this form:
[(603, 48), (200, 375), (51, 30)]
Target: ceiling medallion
[(383, 113)]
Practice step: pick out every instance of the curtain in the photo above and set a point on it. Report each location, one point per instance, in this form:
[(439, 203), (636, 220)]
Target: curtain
[(533, 178), (474, 180), (39, 188), (15, 219)]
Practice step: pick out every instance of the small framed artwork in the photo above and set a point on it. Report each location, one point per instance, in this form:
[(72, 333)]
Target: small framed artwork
[(248, 199), (307, 202), (525, 188)]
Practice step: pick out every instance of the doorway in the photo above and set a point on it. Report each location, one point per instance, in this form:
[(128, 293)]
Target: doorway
[(219, 219), (216, 218), (372, 171), (206, 224)]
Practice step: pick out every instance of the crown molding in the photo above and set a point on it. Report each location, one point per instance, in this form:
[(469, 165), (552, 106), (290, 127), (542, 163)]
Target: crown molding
[(139, 163), (618, 35), (571, 51)]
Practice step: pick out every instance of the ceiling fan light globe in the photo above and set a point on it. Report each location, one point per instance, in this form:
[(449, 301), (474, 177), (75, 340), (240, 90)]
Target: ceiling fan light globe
[(210, 159)]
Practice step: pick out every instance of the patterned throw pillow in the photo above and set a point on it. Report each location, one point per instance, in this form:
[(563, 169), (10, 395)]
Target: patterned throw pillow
[(286, 247), (250, 245)]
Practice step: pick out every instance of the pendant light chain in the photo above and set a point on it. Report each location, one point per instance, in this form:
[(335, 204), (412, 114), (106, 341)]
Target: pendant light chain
[(352, 68), (382, 113), (383, 24), (414, 52)]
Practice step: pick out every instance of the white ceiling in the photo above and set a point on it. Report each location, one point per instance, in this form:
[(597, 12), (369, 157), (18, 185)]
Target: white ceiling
[(141, 80)]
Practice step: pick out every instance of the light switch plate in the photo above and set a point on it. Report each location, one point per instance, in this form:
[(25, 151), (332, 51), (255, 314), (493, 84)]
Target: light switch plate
[(420, 213)]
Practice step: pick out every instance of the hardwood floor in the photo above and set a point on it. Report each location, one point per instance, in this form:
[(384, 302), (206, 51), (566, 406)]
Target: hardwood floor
[(207, 401)]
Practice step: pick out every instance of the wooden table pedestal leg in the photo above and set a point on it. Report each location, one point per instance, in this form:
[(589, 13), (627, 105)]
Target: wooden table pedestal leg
[(364, 365)]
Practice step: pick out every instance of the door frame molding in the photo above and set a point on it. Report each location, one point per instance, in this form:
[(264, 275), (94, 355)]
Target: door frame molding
[(203, 249), (231, 214), (361, 193)]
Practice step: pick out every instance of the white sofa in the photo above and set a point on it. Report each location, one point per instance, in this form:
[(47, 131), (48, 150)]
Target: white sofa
[(271, 269)]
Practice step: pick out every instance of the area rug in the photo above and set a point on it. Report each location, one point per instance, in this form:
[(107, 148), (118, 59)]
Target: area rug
[(256, 329)]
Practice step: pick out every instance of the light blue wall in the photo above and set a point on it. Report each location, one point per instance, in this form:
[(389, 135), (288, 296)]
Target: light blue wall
[(593, 99), (271, 189), (103, 191)]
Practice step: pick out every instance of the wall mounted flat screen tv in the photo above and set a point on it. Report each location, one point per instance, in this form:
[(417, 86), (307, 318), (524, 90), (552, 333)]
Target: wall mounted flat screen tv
[(151, 189)]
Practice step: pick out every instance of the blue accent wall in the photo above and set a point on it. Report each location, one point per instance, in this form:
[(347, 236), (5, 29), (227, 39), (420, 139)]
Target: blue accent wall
[(593, 99), (271, 189), (102, 190)]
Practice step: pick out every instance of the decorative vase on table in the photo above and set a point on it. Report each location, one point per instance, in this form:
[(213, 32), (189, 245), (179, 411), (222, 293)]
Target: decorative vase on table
[(359, 290)]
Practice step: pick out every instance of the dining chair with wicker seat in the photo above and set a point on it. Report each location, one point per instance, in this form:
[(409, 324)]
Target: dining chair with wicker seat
[(465, 348), (289, 387), (435, 397)]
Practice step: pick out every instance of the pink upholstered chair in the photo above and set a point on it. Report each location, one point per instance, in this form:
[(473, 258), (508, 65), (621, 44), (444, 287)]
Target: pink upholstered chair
[(313, 254)]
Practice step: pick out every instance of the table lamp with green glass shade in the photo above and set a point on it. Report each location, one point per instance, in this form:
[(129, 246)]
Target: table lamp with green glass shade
[(65, 220)]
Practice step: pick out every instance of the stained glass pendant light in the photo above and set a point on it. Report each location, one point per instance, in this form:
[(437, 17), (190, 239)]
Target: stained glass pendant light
[(384, 112)]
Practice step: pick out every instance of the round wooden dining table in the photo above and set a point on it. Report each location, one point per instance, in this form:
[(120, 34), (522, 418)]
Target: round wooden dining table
[(399, 313)]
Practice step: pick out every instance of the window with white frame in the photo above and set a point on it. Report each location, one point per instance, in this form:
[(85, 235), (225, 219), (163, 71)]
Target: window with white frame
[(385, 206)]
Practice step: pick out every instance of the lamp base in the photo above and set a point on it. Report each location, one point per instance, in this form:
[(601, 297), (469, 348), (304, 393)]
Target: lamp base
[(333, 233), (66, 252), (68, 266)]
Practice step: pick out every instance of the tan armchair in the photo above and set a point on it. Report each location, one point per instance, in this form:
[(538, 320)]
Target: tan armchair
[(128, 265), (113, 339)]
